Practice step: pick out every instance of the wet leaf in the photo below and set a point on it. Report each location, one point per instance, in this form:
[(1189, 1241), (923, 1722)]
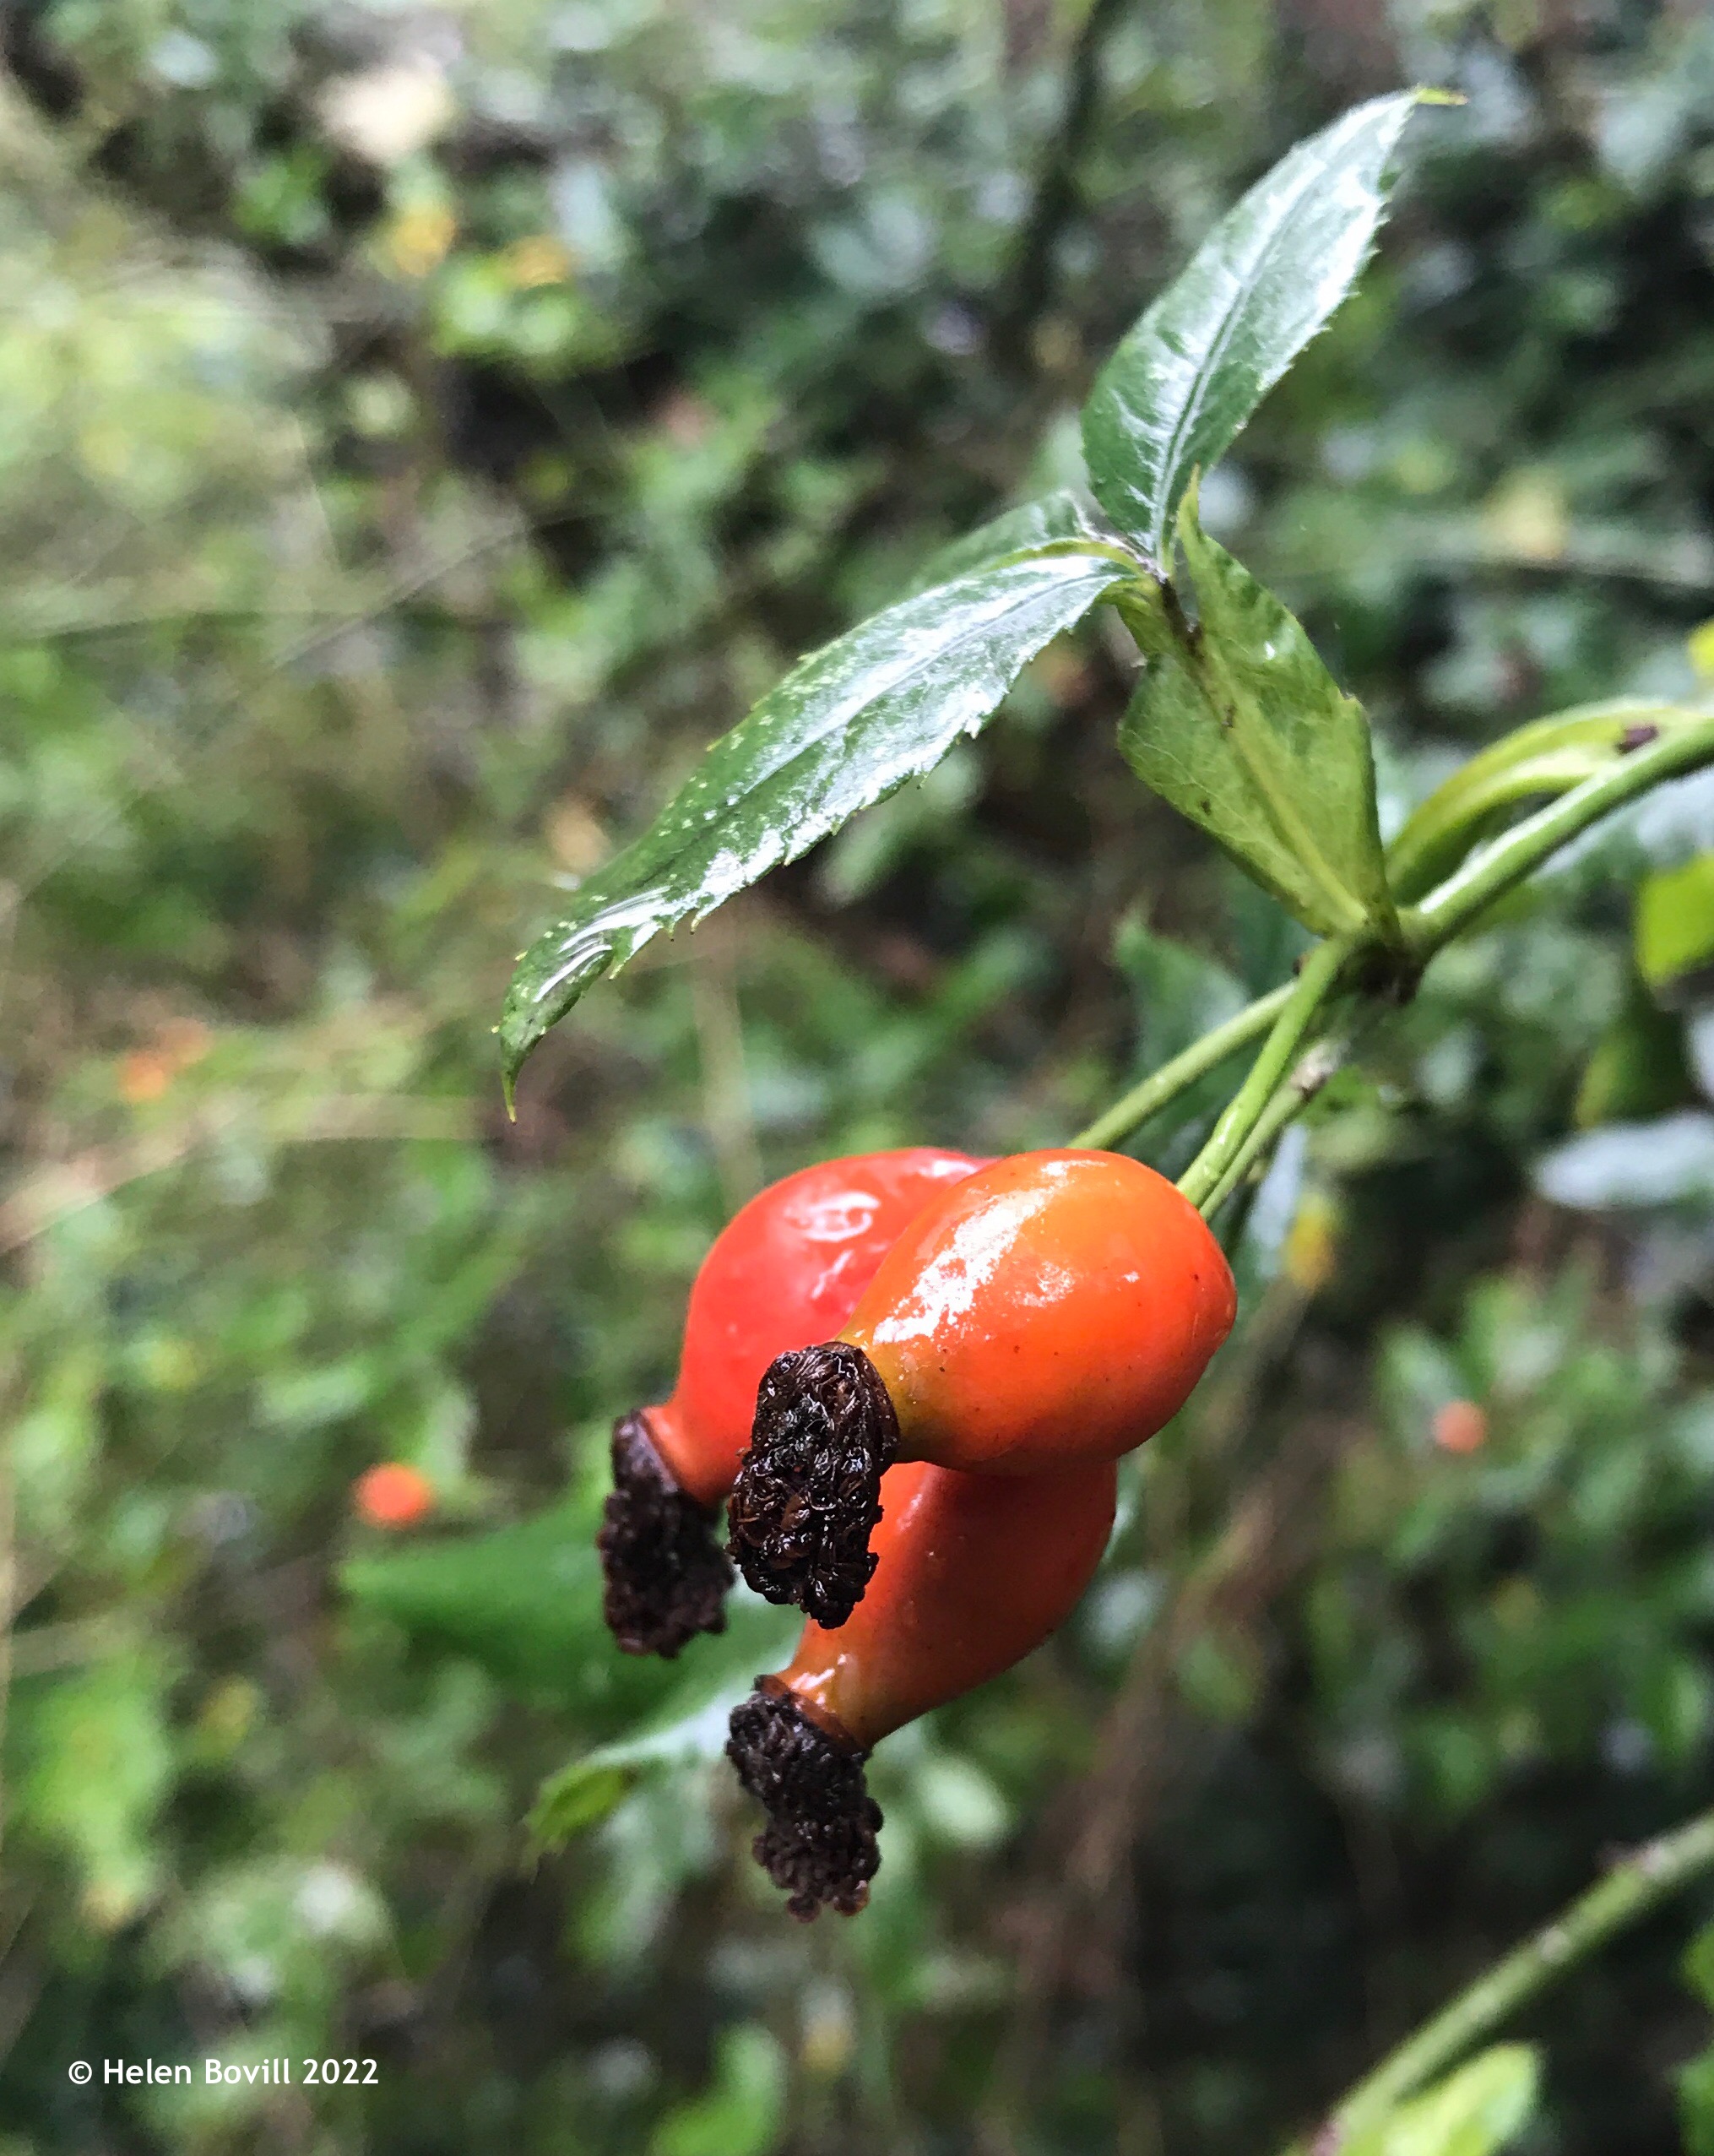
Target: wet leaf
[(686, 1729), (1240, 725), (849, 724), (1030, 525), (1201, 358)]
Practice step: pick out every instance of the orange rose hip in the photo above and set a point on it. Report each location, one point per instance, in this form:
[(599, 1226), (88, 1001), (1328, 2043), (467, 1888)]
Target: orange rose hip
[(972, 1572), (1055, 1307)]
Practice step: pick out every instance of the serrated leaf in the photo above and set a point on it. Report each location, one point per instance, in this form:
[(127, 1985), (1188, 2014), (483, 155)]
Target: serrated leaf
[(1176, 392), (849, 724), (1052, 517), (1474, 2112), (686, 1727), (1550, 756), (1240, 725)]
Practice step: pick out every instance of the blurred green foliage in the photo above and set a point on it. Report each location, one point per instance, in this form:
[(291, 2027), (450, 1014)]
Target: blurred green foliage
[(420, 431)]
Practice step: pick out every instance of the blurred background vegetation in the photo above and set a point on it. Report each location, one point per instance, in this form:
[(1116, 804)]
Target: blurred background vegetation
[(421, 428)]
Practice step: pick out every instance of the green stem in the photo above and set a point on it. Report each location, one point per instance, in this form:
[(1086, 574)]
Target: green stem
[(1164, 1085), (1312, 1073), (1485, 878), (1319, 976), (1547, 757), (1647, 1877), (1496, 869)]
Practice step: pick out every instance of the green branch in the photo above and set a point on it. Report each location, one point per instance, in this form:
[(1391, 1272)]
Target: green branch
[(1229, 1139), (1312, 1073), (1490, 873), (1496, 869), (1645, 1878), (1163, 1087)]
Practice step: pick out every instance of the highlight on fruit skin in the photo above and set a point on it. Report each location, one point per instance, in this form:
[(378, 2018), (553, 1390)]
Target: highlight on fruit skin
[(971, 1573), (392, 1495), (1055, 1307), (786, 1270)]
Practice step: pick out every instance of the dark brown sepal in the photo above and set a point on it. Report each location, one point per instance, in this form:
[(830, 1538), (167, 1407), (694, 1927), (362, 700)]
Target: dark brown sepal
[(665, 1579), (808, 1492), (819, 1843)]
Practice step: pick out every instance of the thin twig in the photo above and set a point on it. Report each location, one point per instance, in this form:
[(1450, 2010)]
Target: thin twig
[(1163, 1087), (1629, 1892)]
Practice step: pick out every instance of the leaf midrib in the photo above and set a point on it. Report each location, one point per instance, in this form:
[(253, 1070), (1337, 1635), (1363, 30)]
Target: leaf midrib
[(1204, 372), (848, 714)]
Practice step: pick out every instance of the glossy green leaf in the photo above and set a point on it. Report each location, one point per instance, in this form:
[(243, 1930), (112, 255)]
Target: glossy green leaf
[(1548, 757), (849, 724), (687, 1727), (1030, 525), (1240, 725), (1473, 2112), (1675, 923), (1177, 391)]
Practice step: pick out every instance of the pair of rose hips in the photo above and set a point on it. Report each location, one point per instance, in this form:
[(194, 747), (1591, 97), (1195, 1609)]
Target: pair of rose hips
[(948, 1353)]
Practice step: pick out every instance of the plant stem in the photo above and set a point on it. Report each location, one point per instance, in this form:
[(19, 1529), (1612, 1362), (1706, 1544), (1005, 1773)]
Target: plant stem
[(1164, 1085), (1231, 1135), (1645, 1878), (1496, 869), (1546, 759), (1485, 878), (1312, 1073)]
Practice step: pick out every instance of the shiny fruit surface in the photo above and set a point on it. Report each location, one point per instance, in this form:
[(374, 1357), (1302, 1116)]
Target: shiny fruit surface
[(788, 1269), (973, 1572), (1055, 1305)]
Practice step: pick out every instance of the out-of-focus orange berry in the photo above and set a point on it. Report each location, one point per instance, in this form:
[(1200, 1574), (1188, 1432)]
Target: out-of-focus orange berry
[(1460, 1427), (393, 1495), (145, 1075)]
